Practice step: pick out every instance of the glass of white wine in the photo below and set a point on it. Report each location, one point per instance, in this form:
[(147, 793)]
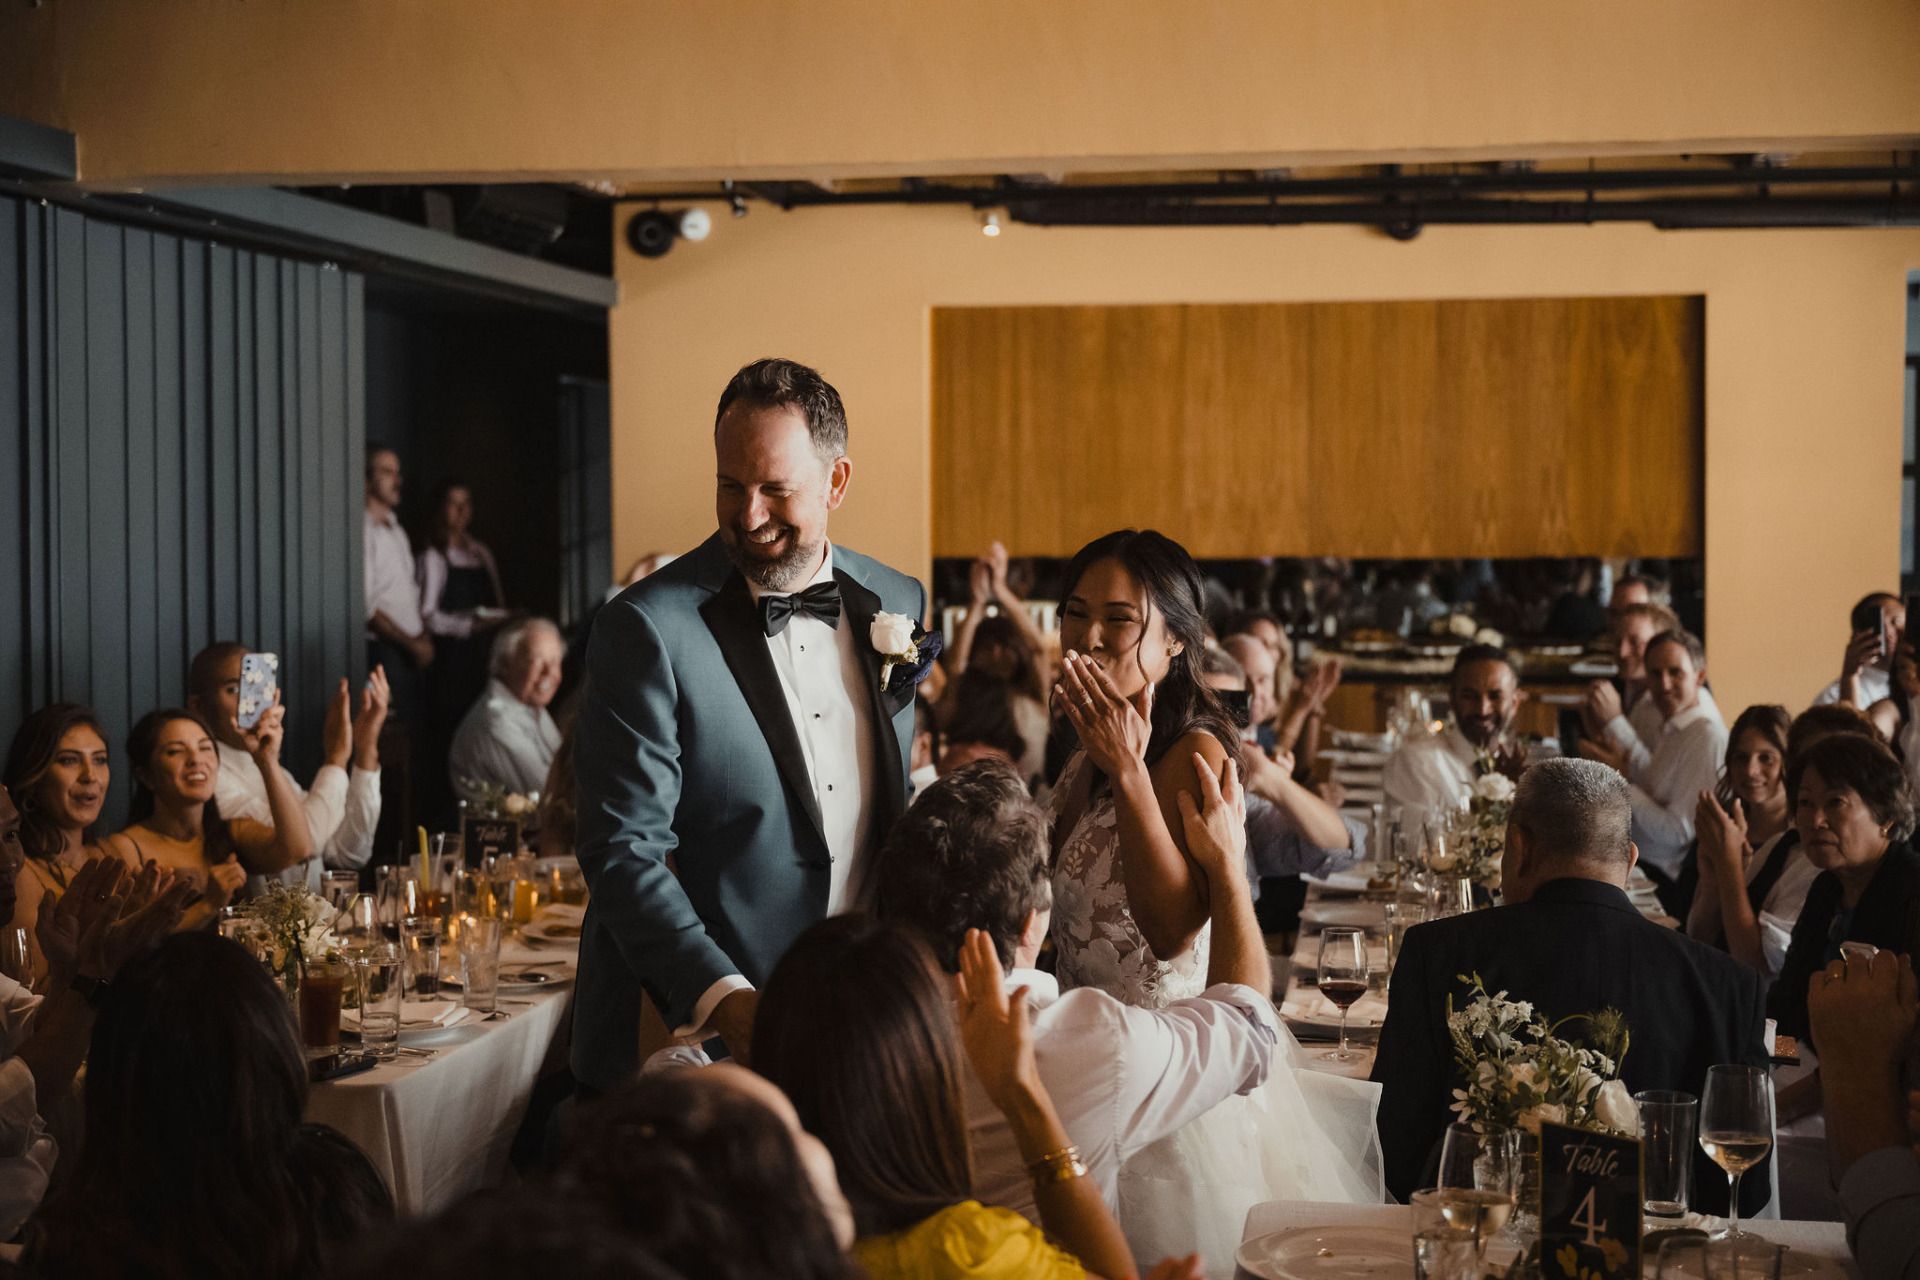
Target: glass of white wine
[(1342, 976), (1479, 1178), (1736, 1127)]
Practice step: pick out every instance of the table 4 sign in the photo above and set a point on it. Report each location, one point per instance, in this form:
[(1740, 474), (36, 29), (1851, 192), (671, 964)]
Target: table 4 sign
[(1590, 1204)]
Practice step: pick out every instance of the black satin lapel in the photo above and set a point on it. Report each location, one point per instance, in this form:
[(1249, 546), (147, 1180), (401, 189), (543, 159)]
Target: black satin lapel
[(859, 606), (735, 622)]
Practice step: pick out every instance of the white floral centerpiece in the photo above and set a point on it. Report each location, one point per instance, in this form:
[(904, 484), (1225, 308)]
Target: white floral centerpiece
[(1489, 806), (492, 800), (290, 928), (1520, 1072)]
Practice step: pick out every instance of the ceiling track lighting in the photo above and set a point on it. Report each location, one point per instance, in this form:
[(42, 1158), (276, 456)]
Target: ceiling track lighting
[(990, 222)]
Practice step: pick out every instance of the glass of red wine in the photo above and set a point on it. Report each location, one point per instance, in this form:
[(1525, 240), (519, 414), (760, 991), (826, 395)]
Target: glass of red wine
[(1343, 976)]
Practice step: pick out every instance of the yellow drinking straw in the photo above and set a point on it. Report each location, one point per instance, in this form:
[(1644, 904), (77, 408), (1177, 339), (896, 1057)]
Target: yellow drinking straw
[(426, 862)]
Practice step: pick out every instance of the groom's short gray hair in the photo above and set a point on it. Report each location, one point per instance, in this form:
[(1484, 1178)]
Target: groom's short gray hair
[(1575, 809), (788, 384)]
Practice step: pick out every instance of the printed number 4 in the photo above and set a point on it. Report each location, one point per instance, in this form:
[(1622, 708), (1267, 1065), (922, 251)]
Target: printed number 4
[(1588, 1207)]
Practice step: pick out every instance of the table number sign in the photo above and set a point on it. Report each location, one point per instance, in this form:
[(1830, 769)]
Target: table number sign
[(484, 838), (1589, 1205)]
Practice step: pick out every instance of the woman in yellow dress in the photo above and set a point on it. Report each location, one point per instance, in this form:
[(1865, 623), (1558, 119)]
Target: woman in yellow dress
[(857, 1024), (57, 772)]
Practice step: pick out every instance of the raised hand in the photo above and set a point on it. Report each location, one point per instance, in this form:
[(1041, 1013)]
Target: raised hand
[(1113, 730), (1862, 649), (263, 740), (1594, 749), (1723, 837), (996, 562), (152, 907), (1320, 683), (995, 1028), (1216, 827), (980, 582), (375, 699), (336, 731)]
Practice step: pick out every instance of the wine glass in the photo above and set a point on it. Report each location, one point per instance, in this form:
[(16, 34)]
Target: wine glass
[(1736, 1127), (1479, 1178), (1343, 976)]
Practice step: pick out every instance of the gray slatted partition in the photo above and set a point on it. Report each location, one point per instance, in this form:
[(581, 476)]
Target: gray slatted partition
[(181, 439)]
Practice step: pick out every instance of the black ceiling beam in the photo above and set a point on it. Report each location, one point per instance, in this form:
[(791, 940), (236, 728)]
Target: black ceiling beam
[(1675, 214)]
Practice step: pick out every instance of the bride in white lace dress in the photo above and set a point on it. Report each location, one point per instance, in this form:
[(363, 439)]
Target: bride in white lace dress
[(1126, 894)]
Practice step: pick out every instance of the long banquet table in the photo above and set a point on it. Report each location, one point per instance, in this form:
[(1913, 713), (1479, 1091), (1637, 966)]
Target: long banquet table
[(1820, 1245), (439, 1127)]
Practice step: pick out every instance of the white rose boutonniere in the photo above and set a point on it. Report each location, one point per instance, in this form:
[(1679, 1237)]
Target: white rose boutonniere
[(906, 652), (1493, 786), (892, 636)]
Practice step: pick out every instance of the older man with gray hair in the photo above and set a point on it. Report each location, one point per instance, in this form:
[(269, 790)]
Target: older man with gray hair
[(507, 739), (1568, 941)]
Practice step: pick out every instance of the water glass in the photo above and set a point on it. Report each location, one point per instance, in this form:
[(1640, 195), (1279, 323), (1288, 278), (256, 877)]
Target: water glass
[(1449, 896), (14, 957), (1668, 1123), (381, 984), (397, 890), (340, 888), (569, 885), (420, 938), (1692, 1257), (1445, 1255), (1401, 916), (480, 961)]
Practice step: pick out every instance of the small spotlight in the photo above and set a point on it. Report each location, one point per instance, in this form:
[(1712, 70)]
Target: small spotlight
[(739, 207), (990, 224), (695, 224)]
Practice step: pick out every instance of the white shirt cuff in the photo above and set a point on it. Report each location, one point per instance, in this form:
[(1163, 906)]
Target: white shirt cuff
[(697, 1030)]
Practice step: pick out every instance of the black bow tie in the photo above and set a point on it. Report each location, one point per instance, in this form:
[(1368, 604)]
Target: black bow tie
[(822, 600)]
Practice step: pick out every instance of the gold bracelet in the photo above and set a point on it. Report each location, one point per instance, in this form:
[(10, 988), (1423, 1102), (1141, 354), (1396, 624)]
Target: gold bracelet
[(1056, 1167)]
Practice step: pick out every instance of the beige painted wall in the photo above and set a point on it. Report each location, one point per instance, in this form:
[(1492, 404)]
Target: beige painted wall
[(1805, 337), (233, 90)]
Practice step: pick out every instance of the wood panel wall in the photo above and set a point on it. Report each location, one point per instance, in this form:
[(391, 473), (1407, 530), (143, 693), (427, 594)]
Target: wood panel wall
[(1507, 427), (181, 453)]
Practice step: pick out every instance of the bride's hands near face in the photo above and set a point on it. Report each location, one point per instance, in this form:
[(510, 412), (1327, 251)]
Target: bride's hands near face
[(995, 1028), (1113, 730)]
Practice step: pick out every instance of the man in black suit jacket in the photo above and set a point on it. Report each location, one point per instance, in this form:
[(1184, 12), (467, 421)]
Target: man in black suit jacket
[(1569, 941)]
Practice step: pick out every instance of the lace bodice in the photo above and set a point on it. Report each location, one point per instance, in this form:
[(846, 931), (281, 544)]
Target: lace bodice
[(1098, 943)]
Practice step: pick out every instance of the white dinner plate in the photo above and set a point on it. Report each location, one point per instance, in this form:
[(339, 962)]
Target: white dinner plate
[(556, 931), (1326, 911), (1593, 669), (1329, 1253)]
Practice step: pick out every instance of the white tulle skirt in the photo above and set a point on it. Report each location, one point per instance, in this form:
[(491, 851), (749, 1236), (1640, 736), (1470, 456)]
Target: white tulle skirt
[(1303, 1135)]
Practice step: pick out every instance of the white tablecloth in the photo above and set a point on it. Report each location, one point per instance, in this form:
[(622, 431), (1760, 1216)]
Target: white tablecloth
[(437, 1128), (1826, 1241)]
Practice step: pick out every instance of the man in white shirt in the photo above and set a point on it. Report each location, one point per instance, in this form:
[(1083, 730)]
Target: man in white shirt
[(971, 853), (1866, 672), (508, 739), (397, 637), (1684, 760), (1432, 773), (1630, 722), (343, 803)]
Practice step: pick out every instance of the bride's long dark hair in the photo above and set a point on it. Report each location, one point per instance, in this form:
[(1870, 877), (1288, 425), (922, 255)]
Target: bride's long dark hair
[(1184, 702)]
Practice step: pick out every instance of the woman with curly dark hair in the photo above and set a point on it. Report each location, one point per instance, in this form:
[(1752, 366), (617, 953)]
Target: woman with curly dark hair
[(196, 1165)]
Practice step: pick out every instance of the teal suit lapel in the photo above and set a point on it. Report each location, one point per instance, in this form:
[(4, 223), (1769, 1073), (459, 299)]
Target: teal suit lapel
[(858, 605)]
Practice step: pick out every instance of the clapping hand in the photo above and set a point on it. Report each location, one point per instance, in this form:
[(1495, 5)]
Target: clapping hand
[(1723, 838), (223, 881), (107, 916), (995, 1028), (1594, 749), (1216, 828), (1510, 758), (375, 698), (336, 732), (1113, 730)]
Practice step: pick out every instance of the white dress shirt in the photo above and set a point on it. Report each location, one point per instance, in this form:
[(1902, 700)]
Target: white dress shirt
[(823, 678), (342, 811), (1429, 775), (27, 1150), (1875, 684), (432, 574), (504, 741), (389, 569), (1121, 1077), (1632, 733), (1686, 758)]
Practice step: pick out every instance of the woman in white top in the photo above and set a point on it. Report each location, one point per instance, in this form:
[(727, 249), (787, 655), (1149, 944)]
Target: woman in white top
[(1753, 875)]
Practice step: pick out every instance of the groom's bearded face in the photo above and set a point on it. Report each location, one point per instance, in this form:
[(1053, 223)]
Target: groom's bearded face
[(773, 493)]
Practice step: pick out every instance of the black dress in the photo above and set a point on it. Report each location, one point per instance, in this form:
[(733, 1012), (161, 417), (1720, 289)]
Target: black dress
[(1887, 916), (458, 675)]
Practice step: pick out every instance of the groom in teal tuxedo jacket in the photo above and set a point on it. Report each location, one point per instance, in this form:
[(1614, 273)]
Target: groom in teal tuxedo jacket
[(739, 761)]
